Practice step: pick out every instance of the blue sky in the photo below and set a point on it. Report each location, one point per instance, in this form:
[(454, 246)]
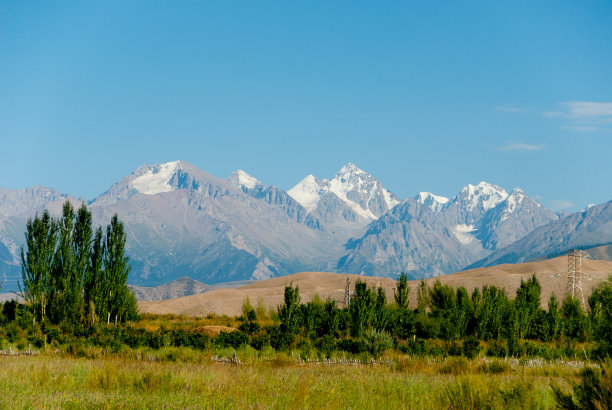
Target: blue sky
[(423, 95)]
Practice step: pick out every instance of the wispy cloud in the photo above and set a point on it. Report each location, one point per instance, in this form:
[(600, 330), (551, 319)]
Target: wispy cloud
[(583, 116), (590, 110), (519, 146)]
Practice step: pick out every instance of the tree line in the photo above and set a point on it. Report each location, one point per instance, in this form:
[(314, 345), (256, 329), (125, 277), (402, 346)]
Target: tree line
[(449, 314), (72, 273)]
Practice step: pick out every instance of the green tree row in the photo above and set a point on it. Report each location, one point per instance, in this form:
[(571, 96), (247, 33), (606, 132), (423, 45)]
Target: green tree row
[(72, 273), (450, 314)]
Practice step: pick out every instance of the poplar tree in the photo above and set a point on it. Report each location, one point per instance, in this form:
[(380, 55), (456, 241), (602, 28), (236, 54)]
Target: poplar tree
[(69, 274), (361, 309), (401, 292), (116, 269), (527, 304), (37, 263)]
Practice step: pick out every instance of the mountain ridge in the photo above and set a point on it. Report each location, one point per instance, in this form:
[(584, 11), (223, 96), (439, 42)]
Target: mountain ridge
[(182, 220)]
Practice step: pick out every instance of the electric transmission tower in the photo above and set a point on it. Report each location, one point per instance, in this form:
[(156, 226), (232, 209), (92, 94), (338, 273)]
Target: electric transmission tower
[(575, 275), (347, 293)]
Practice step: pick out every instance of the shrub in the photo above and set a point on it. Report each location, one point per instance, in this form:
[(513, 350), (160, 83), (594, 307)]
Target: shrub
[(326, 345), (355, 346), (494, 367), (260, 341), (455, 366), (232, 339), (376, 342), (249, 327), (471, 347), (497, 348)]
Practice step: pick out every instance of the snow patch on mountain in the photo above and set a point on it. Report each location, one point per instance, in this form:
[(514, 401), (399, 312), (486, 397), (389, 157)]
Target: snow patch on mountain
[(156, 179), (243, 179), (307, 192), (434, 202), (360, 191), (341, 186), (512, 202), (465, 233), (389, 200), (485, 194)]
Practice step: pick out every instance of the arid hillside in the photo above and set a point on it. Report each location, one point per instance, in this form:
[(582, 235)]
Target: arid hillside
[(332, 285)]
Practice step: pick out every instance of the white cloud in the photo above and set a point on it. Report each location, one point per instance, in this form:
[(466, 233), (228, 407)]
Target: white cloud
[(587, 109), (583, 116), (560, 204), (519, 146)]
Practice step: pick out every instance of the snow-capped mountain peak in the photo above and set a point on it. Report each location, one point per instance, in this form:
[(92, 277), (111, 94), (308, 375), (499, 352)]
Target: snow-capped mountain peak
[(242, 179), (359, 190), (307, 192), (155, 179), (435, 202), (484, 194), (350, 170)]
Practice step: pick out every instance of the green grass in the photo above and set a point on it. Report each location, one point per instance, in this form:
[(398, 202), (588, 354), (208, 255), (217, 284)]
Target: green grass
[(141, 381)]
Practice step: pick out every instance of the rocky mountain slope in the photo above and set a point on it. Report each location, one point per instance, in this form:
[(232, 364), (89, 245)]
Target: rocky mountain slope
[(586, 229), (430, 235), (183, 221)]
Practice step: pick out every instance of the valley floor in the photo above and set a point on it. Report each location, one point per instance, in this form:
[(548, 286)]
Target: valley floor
[(188, 379)]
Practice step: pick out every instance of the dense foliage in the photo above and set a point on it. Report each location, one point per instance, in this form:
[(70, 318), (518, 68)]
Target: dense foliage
[(71, 273)]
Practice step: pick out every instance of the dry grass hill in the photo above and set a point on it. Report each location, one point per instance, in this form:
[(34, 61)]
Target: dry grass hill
[(508, 276)]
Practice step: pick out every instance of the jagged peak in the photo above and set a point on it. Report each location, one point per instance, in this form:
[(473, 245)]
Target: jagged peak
[(422, 197), (307, 192), (349, 170), (241, 178), (489, 195), (434, 202), (155, 179)]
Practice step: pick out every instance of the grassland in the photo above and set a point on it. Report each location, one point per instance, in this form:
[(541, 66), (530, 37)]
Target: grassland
[(184, 378)]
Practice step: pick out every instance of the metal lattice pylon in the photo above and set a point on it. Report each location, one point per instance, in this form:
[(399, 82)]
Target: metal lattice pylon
[(575, 275), (347, 292)]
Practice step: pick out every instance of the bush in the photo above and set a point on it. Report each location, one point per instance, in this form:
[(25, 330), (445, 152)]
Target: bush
[(495, 367), (376, 343), (455, 366), (326, 345), (471, 347), (249, 328), (260, 341), (279, 340), (497, 348), (230, 339), (355, 346)]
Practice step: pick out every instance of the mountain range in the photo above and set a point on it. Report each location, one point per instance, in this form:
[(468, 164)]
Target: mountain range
[(182, 221)]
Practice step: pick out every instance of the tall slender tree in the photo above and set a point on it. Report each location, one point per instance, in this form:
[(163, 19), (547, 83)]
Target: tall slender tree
[(116, 269), (527, 304), (38, 262), (401, 292)]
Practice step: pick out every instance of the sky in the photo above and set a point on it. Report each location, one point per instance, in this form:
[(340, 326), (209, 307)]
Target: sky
[(426, 96)]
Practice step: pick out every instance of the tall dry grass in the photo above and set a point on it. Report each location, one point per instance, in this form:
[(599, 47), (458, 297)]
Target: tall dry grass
[(120, 381)]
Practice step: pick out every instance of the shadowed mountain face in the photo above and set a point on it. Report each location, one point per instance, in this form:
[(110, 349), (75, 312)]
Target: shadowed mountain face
[(583, 230), (430, 235), (182, 221)]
